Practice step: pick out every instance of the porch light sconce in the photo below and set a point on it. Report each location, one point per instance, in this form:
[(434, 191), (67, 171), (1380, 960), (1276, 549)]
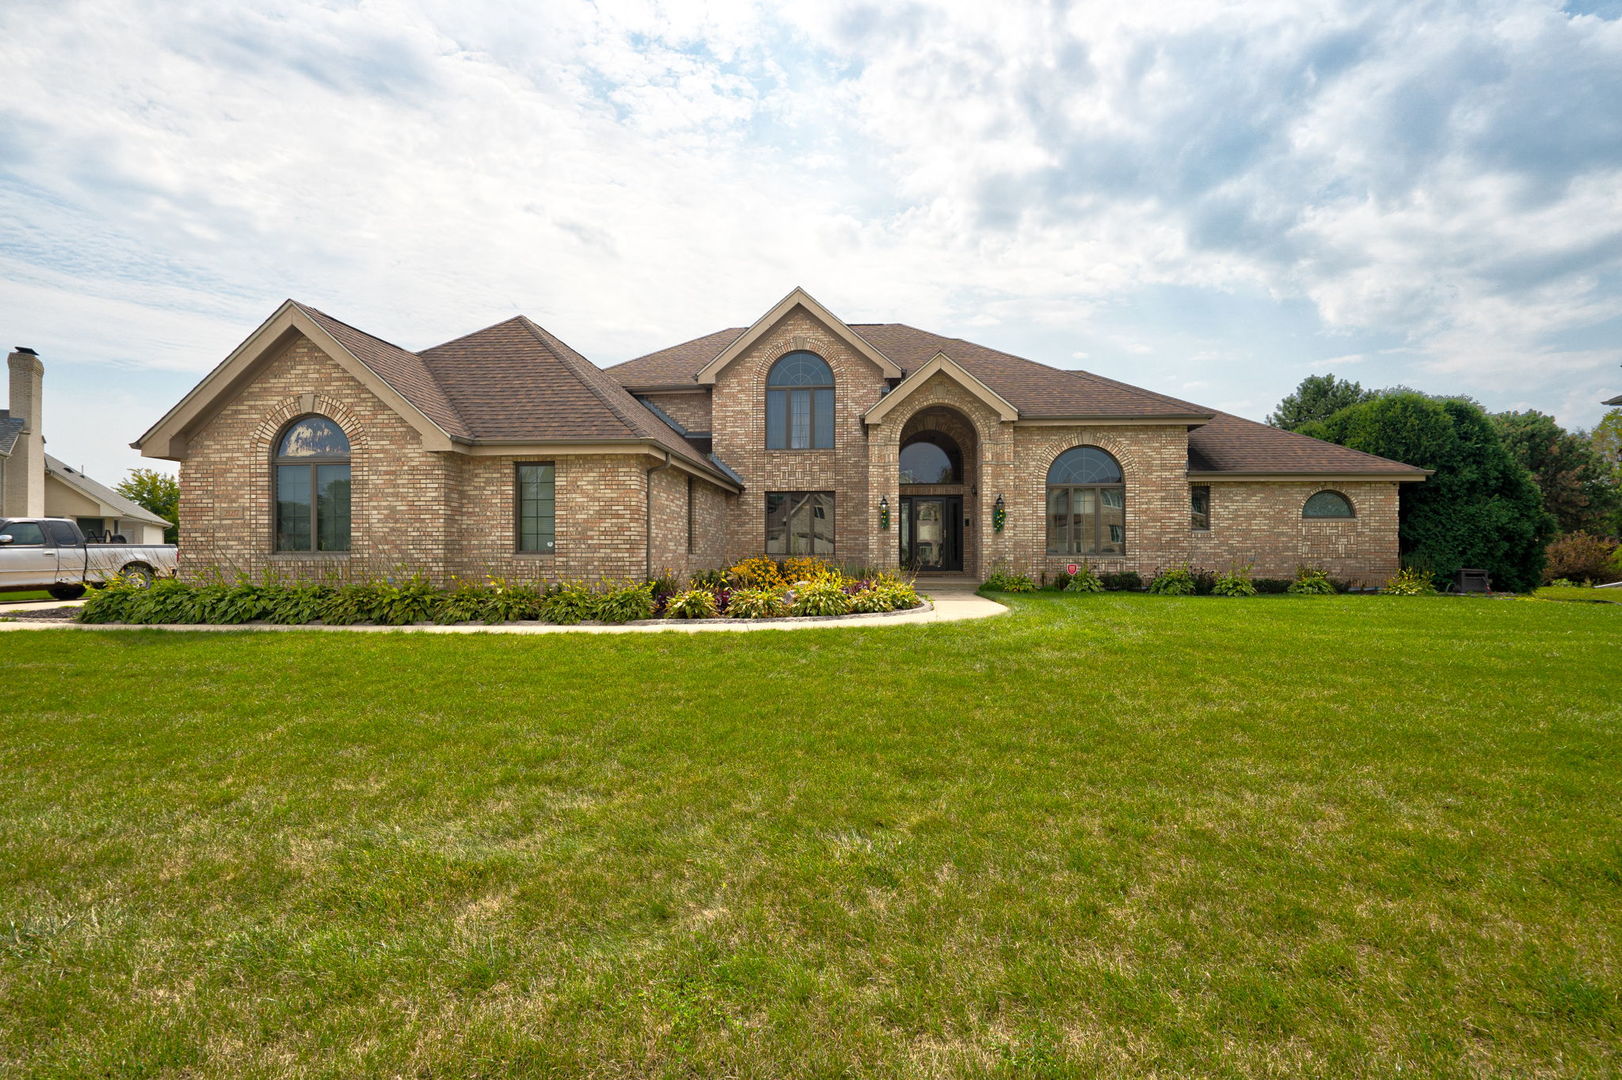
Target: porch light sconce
[(884, 512), (999, 514)]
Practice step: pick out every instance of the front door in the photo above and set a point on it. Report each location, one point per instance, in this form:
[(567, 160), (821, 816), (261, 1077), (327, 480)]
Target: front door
[(932, 532)]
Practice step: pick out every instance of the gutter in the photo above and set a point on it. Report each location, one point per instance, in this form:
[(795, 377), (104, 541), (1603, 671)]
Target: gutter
[(647, 517)]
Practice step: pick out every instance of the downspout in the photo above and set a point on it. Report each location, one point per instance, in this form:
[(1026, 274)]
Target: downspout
[(647, 518)]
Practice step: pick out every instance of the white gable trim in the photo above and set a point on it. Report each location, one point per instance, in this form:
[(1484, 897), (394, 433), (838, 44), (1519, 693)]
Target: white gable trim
[(798, 298), (944, 365), (167, 438)]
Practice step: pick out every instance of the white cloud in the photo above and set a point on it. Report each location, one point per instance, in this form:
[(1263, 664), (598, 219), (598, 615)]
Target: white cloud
[(1438, 178)]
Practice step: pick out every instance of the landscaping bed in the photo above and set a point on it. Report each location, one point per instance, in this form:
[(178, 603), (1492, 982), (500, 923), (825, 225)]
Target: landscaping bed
[(753, 590)]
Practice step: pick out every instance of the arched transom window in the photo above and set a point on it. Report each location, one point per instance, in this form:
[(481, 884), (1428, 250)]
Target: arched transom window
[(931, 458), (1328, 504), (1086, 503), (800, 403), (312, 486)]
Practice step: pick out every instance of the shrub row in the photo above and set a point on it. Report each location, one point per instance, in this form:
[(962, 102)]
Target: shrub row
[(417, 600)]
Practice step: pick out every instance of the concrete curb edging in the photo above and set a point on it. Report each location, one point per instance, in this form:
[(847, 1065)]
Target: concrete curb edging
[(953, 606)]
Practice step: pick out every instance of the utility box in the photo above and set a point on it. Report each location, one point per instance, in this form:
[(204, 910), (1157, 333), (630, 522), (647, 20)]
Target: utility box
[(1472, 581)]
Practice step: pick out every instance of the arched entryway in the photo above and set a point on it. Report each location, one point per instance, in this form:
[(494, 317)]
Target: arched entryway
[(939, 493)]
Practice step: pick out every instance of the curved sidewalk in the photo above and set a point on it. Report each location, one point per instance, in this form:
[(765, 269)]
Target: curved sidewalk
[(948, 603)]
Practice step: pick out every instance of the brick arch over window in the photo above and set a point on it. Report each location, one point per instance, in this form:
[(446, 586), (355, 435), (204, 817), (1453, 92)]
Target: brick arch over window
[(266, 437), (1035, 497)]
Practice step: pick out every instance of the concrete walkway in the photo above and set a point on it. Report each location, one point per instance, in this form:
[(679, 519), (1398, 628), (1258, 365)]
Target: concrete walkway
[(952, 602)]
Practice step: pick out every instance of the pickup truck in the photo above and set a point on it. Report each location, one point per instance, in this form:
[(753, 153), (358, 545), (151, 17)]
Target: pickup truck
[(52, 554)]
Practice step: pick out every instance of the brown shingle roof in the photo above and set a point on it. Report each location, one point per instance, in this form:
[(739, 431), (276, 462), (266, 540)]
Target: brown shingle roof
[(1225, 443), (1233, 444), (516, 381), (403, 370), (1036, 390)]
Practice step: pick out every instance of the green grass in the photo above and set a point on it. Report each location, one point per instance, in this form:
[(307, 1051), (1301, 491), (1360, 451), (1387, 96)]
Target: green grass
[(1578, 592), (1103, 835), (20, 597)]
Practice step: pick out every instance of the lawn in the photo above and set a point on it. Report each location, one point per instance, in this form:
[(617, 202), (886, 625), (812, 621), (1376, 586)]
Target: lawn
[(22, 597), (1103, 835), (1579, 592)]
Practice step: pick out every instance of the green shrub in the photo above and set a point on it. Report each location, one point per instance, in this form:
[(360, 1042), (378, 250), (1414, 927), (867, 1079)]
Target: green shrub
[(1311, 581), (1236, 582), (626, 603), (1125, 579), (1272, 586), (1566, 583), (1174, 581), (466, 602), (822, 597), (567, 603), (1003, 581), (1061, 580), (757, 604), (1204, 581), (1084, 580), (692, 604), (1411, 581)]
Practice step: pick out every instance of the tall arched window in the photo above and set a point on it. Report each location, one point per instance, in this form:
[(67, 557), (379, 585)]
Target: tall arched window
[(800, 403), (1086, 504), (312, 486)]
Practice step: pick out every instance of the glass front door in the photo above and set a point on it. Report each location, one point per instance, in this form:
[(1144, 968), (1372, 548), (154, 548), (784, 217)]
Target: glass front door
[(932, 532)]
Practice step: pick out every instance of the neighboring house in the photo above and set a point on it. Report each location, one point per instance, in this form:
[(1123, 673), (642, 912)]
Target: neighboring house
[(318, 448), (35, 484)]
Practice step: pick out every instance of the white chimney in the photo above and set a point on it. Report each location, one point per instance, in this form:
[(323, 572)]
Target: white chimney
[(25, 468)]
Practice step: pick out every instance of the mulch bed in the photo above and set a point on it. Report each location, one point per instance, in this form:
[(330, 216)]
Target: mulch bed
[(55, 614)]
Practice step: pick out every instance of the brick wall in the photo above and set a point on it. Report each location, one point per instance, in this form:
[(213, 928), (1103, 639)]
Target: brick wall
[(402, 498), (1260, 524), (690, 410), (739, 410)]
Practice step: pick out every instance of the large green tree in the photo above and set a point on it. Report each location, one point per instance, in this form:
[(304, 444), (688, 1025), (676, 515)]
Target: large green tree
[(1579, 487), (1479, 509), (157, 492), (1317, 398)]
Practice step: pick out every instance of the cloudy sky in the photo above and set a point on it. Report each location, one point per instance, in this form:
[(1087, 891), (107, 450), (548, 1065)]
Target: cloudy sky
[(1212, 200)]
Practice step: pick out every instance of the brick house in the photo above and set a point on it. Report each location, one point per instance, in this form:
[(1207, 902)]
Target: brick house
[(315, 447)]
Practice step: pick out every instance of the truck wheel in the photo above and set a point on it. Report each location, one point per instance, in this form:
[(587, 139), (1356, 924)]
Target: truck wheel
[(66, 592), (139, 574)]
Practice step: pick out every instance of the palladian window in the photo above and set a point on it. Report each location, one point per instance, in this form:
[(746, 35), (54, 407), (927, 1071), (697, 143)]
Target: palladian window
[(1328, 504), (1086, 504), (800, 403), (312, 486)]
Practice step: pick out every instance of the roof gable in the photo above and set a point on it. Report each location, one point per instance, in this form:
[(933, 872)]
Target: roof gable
[(100, 493), (797, 298), (396, 376), (516, 382), (944, 365)]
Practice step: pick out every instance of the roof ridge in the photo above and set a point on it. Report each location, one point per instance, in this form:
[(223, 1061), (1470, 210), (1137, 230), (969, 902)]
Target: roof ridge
[(309, 310), (476, 333), (558, 348), (427, 369)]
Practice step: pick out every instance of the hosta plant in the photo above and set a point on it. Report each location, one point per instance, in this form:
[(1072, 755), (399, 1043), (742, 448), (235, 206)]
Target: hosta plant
[(1236, 582), (1175, 581), (821, 597), (1084, 580), (757, 604), (1311, 581), (692, 604)]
